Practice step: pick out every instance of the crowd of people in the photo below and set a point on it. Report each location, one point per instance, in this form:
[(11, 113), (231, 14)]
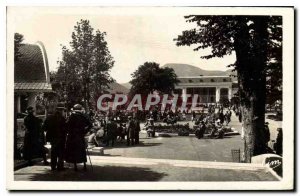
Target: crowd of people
[(212, 123), (70, 135)]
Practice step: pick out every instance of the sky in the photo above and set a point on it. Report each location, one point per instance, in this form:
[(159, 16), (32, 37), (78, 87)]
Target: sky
[(134, 35)]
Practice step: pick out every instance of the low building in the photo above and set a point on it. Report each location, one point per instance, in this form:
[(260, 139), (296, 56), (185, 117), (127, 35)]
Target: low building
[(32, 78)]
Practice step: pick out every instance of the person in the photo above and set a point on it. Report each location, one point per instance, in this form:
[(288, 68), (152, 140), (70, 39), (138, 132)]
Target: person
[(111, 131), (77, 126), (137, 129), (221, 117), (278, 143), (240, 116), (150, 127), (54, 126), (34, 138), (200, 130), (220, 130), (130, 131), (227, 118), (193, 115), (266, 133)]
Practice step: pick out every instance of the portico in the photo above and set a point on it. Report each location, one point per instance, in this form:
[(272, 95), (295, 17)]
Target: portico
[(210, 89)]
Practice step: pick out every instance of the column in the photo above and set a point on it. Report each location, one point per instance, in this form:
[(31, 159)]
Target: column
[(229, 93), (19, 103), (31, 100), (184, 98), (218, 94)]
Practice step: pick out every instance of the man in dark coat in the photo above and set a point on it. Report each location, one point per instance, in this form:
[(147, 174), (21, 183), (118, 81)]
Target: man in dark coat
[(111, 132), (137, 130), (77, 126), (278, 144), (55, 128), (34, 139), (266, 133), (130, 131)]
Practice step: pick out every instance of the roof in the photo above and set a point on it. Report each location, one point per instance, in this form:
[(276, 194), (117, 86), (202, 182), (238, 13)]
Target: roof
[(33, 87), (31, 69), (32, 65), (204, 79)]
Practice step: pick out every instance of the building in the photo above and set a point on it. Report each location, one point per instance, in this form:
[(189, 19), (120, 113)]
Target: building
[(31, 78), (210, 89)]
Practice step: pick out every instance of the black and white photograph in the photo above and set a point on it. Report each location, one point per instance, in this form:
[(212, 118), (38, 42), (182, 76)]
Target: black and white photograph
[(150, 98)]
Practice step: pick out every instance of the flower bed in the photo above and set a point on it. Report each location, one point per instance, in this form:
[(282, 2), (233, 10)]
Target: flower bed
[(180, 129)]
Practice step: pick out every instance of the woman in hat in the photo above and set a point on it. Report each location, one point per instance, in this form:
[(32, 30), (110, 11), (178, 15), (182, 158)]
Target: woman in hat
[(77, 126)]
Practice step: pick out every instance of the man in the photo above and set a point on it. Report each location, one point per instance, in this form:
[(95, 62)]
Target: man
[(200, 130), (130, 131), (54, 126), (34, 138), (278, 144), (193, 115), (266, 133), (111, 130), (137, 130), (77, 126)]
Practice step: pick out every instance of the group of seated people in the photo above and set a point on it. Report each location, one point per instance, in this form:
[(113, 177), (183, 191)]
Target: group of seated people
[(209, 124)]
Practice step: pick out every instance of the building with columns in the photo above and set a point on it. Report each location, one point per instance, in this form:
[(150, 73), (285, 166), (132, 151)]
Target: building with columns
[(31, 77), (210, 89)]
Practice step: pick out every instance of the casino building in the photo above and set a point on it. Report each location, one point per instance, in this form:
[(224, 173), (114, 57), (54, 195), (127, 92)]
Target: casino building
[(210, 89)]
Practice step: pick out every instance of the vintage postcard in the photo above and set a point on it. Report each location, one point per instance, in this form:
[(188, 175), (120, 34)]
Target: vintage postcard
[(150, 98)]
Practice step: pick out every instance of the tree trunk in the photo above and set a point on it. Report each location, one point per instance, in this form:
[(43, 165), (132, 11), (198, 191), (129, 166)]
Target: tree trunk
[(251, 63)]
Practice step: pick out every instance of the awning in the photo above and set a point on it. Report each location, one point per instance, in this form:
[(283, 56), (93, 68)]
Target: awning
[(33, 87)]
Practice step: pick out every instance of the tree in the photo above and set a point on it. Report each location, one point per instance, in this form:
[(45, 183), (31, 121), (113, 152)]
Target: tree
[(18, 41), (84, 71), (149, 77), (256, 41)]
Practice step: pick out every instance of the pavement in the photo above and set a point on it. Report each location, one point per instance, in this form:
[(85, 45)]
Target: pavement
[(145, 169)]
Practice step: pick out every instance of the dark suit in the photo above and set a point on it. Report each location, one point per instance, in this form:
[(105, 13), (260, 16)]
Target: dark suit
[(55, 127)]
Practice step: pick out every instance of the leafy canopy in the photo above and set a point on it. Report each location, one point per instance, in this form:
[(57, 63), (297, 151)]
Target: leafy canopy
[(149, 77)]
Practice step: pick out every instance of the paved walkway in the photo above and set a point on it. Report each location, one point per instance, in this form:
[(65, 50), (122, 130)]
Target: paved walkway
[(141, 169)]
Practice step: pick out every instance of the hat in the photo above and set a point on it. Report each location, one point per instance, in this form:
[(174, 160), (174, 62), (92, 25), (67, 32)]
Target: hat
[(77, 107)]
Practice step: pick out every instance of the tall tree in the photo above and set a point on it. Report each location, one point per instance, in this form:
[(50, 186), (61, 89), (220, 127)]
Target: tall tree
[(85, 68), (256, 41), (149, 77)]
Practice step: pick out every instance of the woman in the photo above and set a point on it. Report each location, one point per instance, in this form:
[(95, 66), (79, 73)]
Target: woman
[(77, 126)]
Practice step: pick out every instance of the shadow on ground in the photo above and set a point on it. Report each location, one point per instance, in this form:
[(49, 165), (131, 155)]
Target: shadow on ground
[(99, 173)]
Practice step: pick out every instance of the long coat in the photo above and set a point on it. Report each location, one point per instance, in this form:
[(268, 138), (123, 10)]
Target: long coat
[(34, 138), (111, 130), (55, 127), (137, 128), (77, 126), (131, 129)]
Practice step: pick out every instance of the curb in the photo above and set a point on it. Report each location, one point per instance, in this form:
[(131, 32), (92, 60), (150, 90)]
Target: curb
[(160, 134)]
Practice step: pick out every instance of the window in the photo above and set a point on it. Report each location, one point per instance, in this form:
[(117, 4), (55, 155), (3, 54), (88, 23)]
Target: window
[(212, 80), (200, 80), (224, 80), (190, 81)]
